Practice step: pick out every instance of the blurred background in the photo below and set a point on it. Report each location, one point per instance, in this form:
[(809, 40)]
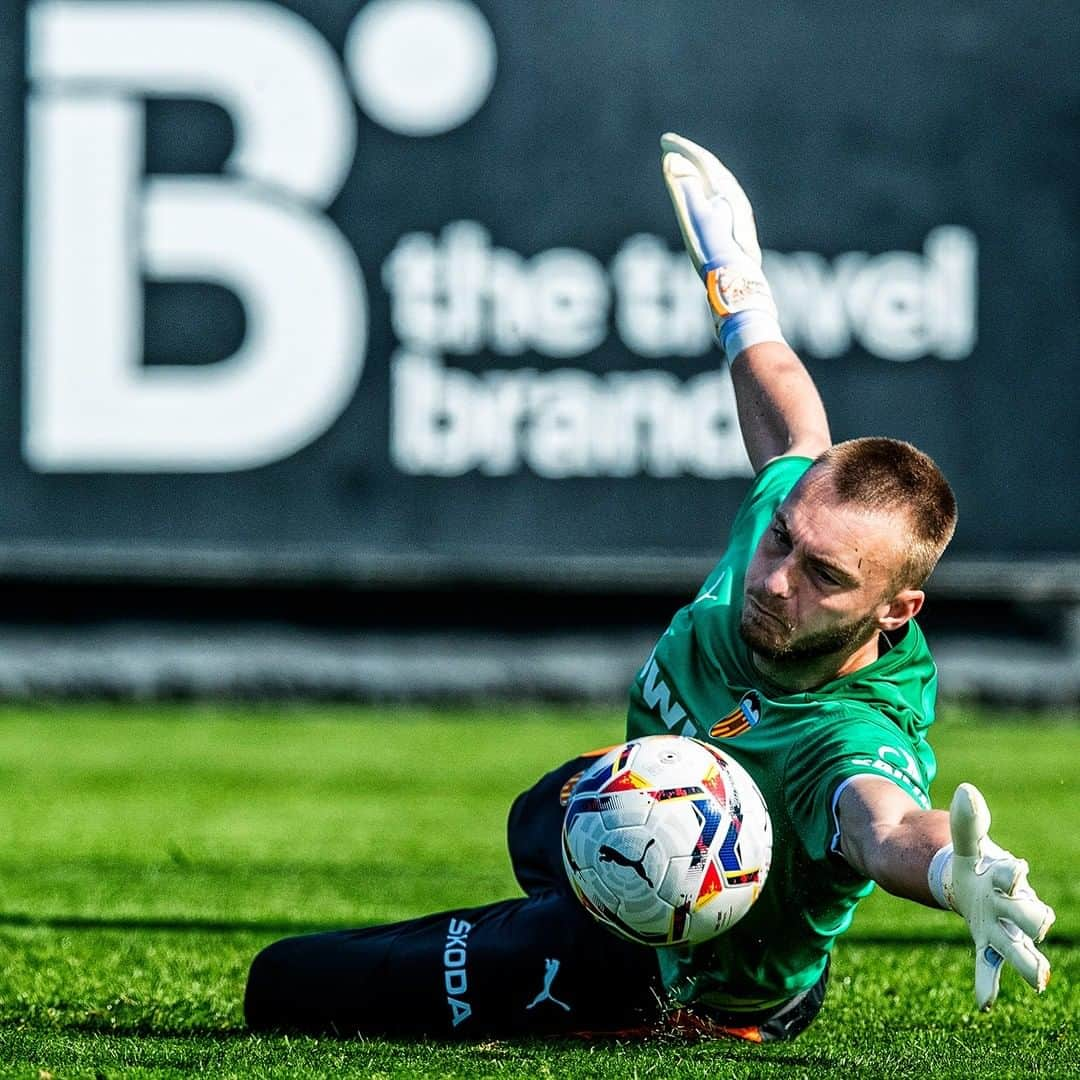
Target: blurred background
[(352, 352)]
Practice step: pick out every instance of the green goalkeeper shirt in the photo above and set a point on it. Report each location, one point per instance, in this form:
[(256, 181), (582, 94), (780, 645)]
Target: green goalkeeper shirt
[(800, 748)]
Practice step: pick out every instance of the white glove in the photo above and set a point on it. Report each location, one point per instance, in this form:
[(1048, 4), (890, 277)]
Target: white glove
[(717, 226), (988, 886)]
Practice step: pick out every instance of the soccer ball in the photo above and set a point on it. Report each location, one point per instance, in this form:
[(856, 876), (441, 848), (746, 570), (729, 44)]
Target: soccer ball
[(667, 840)]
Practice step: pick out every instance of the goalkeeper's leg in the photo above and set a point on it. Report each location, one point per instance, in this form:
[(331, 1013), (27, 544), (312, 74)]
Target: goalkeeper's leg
[(535, 965), (534, 828), (538, 965)]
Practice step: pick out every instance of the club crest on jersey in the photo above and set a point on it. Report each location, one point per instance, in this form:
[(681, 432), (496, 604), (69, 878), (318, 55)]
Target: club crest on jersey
[(742, 718)]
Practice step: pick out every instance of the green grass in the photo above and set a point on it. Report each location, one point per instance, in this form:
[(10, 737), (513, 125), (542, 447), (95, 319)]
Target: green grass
[(148, 853)]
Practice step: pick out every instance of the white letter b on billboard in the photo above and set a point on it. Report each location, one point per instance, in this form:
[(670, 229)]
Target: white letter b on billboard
[(96, 228)]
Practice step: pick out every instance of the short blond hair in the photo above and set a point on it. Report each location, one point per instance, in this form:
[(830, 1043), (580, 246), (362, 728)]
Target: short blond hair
[(881, 474)]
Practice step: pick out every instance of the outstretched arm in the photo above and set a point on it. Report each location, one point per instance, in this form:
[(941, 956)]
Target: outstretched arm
[(885, 835), (948, 860), (780, 410)]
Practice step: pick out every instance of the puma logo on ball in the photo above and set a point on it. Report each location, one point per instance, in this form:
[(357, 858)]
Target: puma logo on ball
[(609, 854)]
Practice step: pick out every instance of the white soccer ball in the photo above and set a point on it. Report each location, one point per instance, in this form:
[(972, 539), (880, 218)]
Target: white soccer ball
[(667, 840)]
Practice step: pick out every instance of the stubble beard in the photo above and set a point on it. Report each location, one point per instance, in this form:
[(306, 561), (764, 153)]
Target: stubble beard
[(782, 646)]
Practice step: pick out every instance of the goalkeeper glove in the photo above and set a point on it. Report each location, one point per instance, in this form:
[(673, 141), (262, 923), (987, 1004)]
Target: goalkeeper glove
[(988, 886), (717, 226)]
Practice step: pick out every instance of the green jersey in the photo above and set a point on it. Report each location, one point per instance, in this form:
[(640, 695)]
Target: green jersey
[(800, 748)]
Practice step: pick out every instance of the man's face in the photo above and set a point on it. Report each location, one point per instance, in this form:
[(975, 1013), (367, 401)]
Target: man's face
[(821, 576)]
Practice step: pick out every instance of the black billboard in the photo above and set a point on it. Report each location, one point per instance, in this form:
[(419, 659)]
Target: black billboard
[(353, 290)]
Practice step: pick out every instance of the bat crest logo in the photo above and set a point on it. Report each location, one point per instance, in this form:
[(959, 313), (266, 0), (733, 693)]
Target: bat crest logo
[(742, 718)]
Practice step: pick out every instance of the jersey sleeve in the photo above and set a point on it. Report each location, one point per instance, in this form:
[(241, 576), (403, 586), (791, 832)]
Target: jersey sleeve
[(818, 769), (769, 489)]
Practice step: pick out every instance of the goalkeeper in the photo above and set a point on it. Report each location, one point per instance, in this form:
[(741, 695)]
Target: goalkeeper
[(800, 656)]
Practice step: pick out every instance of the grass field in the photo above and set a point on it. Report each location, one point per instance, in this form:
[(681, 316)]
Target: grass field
[(147, 853)]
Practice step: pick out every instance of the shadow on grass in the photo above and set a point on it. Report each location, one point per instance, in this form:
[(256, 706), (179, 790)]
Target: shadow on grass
[(144, 1030), (303, 926), (296, 926), (203, 926)]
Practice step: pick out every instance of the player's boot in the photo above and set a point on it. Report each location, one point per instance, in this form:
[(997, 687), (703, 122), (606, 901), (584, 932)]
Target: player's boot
[(717, 224)]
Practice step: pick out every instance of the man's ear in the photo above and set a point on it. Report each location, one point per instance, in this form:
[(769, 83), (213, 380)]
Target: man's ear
[(905, 605)]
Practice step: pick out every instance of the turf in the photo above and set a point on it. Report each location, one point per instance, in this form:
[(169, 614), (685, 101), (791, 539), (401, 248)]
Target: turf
[(148, 853)]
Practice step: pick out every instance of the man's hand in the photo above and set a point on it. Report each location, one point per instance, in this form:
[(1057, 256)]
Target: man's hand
[(886, 836), (989, 887), (717, 226), (780, 411)]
